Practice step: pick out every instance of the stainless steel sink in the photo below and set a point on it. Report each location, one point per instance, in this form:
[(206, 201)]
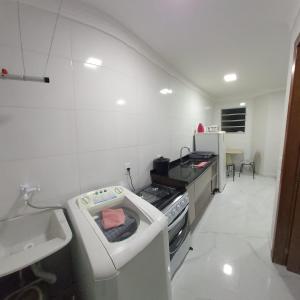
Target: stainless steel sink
[(27, 239), (191, 162)]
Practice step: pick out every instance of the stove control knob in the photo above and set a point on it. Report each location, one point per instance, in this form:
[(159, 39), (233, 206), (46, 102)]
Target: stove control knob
[(173, 212)]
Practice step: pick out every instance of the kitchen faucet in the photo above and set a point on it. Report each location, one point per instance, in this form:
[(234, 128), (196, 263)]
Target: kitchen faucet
[(181, 153)]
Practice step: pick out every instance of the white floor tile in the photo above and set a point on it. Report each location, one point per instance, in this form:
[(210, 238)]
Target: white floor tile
[(231, 257)]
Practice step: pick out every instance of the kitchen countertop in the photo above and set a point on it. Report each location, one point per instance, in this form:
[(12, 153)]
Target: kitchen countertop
[(181, 175)]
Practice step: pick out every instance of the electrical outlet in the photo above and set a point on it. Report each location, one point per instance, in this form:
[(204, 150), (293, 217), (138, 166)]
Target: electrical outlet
[(127, 165)]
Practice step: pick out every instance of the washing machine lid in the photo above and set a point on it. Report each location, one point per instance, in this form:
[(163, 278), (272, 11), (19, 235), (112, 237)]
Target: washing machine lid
[(106, 258)]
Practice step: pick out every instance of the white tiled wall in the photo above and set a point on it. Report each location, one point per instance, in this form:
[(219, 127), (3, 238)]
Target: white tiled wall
[(264, 123), (70, 136)]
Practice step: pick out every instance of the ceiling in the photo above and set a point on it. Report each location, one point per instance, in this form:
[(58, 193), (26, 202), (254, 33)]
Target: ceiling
[(205, 39)]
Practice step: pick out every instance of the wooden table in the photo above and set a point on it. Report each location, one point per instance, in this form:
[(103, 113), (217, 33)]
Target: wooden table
[(229, 160), (234, 151)]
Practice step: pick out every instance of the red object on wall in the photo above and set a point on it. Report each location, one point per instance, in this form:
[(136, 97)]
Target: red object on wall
[(4, 72), (201, 128)]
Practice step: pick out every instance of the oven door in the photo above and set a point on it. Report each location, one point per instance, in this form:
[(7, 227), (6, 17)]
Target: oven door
[(178, 231)]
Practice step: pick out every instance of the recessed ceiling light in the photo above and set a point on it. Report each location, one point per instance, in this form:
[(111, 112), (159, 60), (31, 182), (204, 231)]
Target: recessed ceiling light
[(166, 91), (230, 77), (243, 104), (121, 102), (93, 63), (227, 269)]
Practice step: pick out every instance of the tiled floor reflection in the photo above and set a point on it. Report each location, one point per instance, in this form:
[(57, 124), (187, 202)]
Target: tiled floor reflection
[(231, 257)]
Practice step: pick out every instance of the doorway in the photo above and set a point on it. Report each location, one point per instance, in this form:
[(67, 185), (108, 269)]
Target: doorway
[(286, 245)]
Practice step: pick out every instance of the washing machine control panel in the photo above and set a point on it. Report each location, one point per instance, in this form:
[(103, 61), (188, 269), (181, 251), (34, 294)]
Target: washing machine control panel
[(104, 194)]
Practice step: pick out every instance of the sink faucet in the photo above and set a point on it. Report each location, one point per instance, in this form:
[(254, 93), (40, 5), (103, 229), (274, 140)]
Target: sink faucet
[(181, 152)]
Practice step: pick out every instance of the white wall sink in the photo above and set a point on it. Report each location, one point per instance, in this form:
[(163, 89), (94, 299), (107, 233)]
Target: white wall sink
[(27, 239)]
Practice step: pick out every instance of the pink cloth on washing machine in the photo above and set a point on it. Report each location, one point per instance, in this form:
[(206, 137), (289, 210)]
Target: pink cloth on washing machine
[(112, 217)]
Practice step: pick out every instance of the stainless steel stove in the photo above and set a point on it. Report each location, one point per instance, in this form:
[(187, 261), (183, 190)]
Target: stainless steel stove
[(174, 204), (159, 195)]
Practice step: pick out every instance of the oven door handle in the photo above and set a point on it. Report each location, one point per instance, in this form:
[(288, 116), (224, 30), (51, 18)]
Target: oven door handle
[(182, 215), (181, 242)]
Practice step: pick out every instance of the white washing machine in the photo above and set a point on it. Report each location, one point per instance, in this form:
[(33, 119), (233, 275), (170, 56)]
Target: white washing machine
[(135, 267)]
